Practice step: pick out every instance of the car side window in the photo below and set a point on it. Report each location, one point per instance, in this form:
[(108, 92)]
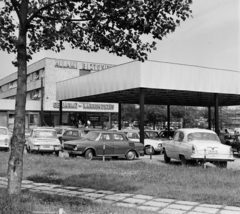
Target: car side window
[(68, 133), (75, 133), (118, 137), (131, 135), (105, 137), (181, 136)]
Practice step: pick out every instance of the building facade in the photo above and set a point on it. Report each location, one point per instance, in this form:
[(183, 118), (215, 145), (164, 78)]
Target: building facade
[(42, 77)]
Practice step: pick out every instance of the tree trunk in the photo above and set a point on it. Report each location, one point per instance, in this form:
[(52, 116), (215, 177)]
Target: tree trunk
[(15, 163)]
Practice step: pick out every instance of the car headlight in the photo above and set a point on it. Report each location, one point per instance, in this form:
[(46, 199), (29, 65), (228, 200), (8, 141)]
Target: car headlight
[(75, 148)]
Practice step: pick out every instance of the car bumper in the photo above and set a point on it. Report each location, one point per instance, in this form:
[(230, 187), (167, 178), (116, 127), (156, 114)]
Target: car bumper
[(73, 152), (4, 146), (46, 149), (211, 159)]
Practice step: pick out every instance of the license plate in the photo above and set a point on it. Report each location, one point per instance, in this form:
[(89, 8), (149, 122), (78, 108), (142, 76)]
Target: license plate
[(47, 147), (212, 152)]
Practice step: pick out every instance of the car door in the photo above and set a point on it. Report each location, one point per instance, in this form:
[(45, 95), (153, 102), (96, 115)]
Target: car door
[(170, 146), (106, 141), (121, 145), (179, 147)]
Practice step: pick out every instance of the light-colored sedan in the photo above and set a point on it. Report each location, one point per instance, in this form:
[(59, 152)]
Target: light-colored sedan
[(43, 140), (151, 146), (5, 138), (197, 145)]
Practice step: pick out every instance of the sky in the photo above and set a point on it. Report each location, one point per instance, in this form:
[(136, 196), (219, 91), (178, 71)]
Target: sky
[(210, 38)]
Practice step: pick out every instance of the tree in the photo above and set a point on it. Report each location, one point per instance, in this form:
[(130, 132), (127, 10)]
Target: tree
[(28, 26)]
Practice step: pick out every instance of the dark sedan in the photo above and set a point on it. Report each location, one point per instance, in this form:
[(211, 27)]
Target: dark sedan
[(99, 143)]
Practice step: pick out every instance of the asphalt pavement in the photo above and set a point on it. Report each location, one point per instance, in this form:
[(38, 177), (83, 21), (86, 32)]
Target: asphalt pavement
[(158, 159)]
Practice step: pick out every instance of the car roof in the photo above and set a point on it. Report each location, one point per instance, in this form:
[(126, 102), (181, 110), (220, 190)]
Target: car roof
[(41, 128), (194, 130)]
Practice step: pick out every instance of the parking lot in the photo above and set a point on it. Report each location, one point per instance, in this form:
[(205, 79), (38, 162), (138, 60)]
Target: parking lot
[(158, 159)]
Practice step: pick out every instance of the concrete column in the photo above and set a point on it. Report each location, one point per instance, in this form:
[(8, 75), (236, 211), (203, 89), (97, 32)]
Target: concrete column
[(216, 114), (119, 116), (60, 112), (142, 97), (110, 120), (168, 120), (209, 118)]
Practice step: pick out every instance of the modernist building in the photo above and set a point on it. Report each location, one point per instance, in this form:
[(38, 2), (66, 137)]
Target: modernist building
[(41, 94)]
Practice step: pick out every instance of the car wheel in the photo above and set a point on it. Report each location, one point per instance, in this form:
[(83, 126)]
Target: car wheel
[(149, 150), (166, 158), (184, 162), (88, 154), (130, 155), (28, 149)]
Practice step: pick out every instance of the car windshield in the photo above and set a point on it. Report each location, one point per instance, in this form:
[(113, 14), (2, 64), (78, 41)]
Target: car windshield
[(202, 136), (44, 134), (3, 131), (92, 136)]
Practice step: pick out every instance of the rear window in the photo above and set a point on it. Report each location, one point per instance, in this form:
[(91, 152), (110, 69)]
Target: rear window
[(201, 136), (44, 134)]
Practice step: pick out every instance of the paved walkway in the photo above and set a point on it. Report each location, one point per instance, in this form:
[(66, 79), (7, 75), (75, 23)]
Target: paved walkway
[(143, 202)]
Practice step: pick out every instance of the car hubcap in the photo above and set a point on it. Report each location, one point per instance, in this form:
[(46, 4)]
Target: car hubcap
[(130, 155)]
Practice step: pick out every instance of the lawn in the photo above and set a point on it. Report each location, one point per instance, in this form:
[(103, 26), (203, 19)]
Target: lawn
[(213, 185)]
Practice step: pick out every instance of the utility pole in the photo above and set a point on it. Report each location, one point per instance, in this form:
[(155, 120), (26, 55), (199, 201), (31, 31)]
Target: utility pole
[(42, 96)]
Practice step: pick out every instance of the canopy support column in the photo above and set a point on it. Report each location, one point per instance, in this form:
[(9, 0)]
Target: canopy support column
[(60, 112), (168, 120), (216, 113), (119, 116), (142, 97), (209, 118)]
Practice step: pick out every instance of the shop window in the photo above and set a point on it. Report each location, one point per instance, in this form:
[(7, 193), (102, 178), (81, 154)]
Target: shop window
[(33, 120)]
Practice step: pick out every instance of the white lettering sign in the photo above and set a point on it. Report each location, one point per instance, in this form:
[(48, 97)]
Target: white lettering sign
[(65, 64)]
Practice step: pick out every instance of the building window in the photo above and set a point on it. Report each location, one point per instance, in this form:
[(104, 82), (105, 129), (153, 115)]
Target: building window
[(36, 76), (29, 78)]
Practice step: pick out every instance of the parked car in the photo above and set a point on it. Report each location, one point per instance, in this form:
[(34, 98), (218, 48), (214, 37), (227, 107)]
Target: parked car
[(165, 135), (197, 145), (151, 146), (235, 144), (226, 138), (152, 134), (61, 129), (43, 140), (75, 133), (92, 145), (5, 138)]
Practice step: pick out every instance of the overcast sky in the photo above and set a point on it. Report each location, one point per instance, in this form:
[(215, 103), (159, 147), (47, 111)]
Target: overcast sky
[(210, 38)]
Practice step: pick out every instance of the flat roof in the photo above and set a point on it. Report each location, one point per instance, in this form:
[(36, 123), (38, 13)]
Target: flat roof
[(163, 83)]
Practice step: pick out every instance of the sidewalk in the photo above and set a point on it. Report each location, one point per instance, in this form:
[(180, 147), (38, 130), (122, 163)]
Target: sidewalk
[(143, 202)]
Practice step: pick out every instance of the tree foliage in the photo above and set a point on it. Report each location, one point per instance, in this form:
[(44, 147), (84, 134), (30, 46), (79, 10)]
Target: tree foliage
[(117, 26), (91, 25)]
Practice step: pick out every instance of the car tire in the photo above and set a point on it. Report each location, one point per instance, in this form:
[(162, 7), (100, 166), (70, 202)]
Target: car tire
[(88, 154), (28, 149), (166, 158), (130, 155), (148, 150), (184, 162)]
